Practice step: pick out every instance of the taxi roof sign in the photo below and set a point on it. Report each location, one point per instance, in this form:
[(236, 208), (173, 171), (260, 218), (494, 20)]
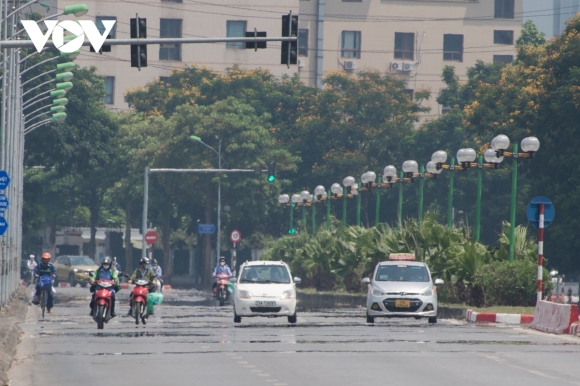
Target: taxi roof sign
[(402, 256)]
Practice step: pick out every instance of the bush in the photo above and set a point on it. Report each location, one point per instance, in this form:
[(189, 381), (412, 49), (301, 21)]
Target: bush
[(511, 284)]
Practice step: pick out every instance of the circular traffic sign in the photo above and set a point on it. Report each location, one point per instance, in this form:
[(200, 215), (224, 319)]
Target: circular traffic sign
[(533, 211), (151, 236), (236, 236)]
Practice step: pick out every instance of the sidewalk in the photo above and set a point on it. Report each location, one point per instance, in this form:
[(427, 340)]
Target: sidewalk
[(10, 316)]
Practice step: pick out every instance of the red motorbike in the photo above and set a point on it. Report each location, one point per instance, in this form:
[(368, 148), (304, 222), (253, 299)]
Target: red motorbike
[(223, 293), (140, 297), (103, 302)]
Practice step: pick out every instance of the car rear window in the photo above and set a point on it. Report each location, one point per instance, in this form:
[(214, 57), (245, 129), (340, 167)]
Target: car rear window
[(403, 272), (265, 274)]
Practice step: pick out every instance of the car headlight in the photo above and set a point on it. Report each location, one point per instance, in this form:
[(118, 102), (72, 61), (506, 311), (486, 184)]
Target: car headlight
[(243, 294), (286, 295), (377, 292), (427, 292), (76, 270)]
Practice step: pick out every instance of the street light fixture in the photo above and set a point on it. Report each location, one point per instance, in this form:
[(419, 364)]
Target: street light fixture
[(530, 145)]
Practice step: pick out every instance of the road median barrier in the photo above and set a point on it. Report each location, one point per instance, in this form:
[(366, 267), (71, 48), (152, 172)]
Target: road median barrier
[(492, 317), (63, 284), (575, 328), (554, 318), (166, 287), (124, 285)]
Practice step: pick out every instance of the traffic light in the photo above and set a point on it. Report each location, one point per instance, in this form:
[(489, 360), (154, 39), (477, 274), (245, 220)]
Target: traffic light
[(271, 171), (292, 231), (258, 34), (138, 52), (289, 49)]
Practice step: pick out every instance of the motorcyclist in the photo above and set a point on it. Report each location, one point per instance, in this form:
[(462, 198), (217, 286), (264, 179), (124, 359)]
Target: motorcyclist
[(221, 268), (45, 268), (116, 264), (144, 272), (156, 268), (32, 263), (107, 271)]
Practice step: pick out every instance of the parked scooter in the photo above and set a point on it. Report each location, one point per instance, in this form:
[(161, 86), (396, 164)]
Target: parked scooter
[(140, 298), (103, 302), (223, 293)]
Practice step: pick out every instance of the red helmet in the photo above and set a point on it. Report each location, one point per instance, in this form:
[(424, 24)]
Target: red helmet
[(46, 255)]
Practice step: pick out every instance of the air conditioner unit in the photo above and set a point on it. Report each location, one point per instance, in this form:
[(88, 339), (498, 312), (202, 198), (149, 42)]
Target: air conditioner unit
[(408, 66), (396, 66), (349, 65), (301, 63)]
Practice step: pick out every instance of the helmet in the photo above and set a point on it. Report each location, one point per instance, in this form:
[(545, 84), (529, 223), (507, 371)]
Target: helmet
[(31, 257), (115, 258), (154, 262), (46, 256), (222, 258), (106, 264), (144, 260)]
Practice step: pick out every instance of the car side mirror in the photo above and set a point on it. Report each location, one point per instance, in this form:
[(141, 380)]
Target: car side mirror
[(439, 282), (297, 280), (234, 279), (366, 280)]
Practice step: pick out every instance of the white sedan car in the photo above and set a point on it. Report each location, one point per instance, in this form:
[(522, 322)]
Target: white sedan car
[(402, 287), (265, 288)]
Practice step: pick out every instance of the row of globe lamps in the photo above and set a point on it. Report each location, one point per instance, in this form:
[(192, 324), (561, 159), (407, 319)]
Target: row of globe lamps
[(466, 159)]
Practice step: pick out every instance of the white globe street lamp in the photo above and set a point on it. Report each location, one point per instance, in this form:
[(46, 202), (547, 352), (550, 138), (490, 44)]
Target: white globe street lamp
[(284, 199)]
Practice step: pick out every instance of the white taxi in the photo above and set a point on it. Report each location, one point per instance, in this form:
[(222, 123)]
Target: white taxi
[(265, 288), (402, 287)]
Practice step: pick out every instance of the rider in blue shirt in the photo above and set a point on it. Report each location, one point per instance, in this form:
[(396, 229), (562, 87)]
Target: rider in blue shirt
[(45, 268), (221, 268)]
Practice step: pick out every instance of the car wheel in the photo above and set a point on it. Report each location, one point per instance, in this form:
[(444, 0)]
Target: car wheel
[(237, 318), (432, 319), (370, 319), (71, 280), (84, 285), (292, 319)]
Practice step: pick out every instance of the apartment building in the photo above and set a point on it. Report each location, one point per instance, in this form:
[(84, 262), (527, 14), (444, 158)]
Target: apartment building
[(412, 39), (182, 18)]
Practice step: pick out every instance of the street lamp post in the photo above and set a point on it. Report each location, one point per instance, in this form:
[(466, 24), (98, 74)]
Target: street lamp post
[(306, 197), (348, 183), (530, 145), (320, 196)]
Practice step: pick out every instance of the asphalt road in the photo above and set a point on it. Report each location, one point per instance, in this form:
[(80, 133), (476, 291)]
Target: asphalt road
[(189, 342)]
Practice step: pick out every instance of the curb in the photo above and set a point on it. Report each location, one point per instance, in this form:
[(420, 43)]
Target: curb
[(166, 287), (575, 328), (11, 316), (63, 284), (488, 317)]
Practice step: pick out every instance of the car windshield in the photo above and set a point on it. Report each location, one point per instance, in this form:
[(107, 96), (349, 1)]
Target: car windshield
[(402, 272), (265, 274), (81, 260)]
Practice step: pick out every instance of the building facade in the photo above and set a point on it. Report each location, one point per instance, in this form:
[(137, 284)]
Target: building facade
[(413, 39)]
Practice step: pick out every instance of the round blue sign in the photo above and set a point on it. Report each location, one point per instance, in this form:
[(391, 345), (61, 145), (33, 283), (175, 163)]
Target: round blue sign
[(533, 211)]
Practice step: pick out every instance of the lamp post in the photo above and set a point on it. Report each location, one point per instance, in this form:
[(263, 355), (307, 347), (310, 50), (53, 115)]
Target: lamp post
[(319, 197), (284, 199), (368, 182), (296, 201), (219, 199), (306, 198), (530, 145), (336, 193), (348, 183)]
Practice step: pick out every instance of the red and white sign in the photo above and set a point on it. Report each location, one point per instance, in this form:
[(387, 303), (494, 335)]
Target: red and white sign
[(236, 236), (151, 236), (402, 256)]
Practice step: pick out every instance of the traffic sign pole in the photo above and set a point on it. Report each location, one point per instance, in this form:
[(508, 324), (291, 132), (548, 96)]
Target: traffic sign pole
[(540, 251)]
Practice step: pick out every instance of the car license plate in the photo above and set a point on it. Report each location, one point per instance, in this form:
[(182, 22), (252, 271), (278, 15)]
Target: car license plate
[(403, 303), (261, 303)]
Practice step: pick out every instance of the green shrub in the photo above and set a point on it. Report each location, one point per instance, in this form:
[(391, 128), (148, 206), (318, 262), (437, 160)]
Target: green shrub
[(511, 284)]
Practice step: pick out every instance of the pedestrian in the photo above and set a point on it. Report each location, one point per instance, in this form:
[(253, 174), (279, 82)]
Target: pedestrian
[(570, 295)]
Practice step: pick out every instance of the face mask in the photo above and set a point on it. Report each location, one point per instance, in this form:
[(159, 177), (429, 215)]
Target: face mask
[(222, 263), (148, 266), (106, 266)]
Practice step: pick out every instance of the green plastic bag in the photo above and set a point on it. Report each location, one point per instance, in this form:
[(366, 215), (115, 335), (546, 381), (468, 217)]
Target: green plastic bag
[(152, 299)]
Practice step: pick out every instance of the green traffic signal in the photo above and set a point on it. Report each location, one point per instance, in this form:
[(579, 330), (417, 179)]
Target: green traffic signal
[(292, 231), (271, 178), (271, 171)]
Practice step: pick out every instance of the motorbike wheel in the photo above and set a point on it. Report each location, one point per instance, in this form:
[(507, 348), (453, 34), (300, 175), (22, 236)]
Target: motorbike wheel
[(221, 297), (71, 280), (137, 312), (43, 299), (100, 316)]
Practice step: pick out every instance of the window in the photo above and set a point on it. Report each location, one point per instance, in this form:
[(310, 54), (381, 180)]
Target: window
[(101, 27), (302, 42), (164, 79), (110, 89), (350, 44), (445, 110), (404, 45), (410, 92), (170, 28), (453, 47), (504, 9), (236, 28), (503, 59), (503, 37)]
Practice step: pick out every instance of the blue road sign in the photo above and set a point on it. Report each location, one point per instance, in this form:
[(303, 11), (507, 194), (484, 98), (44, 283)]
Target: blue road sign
[(3, 203), (533, 211), (3, 226), (4, 180), (208, 229)]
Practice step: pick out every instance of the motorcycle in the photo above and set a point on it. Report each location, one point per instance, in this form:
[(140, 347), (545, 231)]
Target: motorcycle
[(223, 293), (140, 299), (102, 304), (160, 284)]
